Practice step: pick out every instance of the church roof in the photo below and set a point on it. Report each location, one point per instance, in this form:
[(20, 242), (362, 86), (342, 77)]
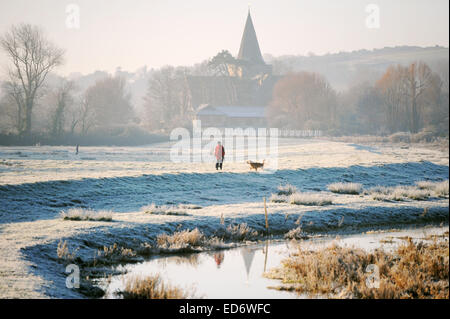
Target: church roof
[(249, 50)]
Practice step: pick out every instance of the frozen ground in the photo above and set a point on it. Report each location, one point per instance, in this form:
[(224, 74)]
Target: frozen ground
[(36, 183)]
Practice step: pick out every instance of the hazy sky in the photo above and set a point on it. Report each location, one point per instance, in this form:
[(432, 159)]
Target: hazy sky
[(134, 33)]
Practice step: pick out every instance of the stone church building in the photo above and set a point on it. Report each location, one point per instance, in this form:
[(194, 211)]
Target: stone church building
[(239, 98)]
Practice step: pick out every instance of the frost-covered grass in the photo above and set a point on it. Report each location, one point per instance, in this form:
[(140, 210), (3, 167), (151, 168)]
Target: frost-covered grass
[(153, 287), (63, 251), (188, 239), (189, 206), (421, 191), (289, 194), (295, 233), (181, 239), (166, 209), (440, 189), (342, 272), (345, 188), (287, 189), (197, 239), (398, 193), (310, 199), (114, 254), (241, 232), (80, 214)]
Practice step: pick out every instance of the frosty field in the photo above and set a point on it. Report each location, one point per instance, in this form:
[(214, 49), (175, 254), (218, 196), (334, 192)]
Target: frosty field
[(38, 183)]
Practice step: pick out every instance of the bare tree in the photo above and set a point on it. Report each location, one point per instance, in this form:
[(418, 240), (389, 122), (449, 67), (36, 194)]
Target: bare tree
[(304, 101), (32, 57), (111, 101), (168, 99), (62, 98), (393, 91), (86, 115), (407, 92), (418, 79), (14, 97)]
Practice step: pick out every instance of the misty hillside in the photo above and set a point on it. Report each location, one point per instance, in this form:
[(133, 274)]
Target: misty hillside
[(342, 70), (346, 69)]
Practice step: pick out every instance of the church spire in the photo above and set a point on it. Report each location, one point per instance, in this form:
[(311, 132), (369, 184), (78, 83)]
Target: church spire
[(249, 50)]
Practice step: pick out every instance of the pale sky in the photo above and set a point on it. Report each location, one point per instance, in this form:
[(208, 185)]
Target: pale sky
[(134, 33)]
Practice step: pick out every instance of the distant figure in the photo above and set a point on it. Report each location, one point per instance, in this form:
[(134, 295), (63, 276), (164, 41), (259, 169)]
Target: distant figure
[(219, 258), (220, 155), (76, 150)]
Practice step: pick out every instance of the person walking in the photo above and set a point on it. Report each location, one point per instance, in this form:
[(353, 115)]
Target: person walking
[(220, 155)]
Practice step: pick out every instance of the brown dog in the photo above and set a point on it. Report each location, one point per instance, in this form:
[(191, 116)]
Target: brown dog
[(255, 165)]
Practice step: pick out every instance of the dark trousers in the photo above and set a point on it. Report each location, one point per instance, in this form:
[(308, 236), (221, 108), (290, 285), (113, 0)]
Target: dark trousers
[(218, 165)]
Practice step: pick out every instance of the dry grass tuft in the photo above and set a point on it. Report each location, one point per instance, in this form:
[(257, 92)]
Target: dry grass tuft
[(63, 252), (345, 188), (181, 239), (287, 189), (166, 210), (79, 214), (295, 233), (152, 287), (413, 270), (241, 232), (422, 191), (310, 199), (115, 254), (398, 193), (439, 189)]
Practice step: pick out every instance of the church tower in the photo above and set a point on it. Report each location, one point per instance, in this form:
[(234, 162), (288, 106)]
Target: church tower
[(250, 63)]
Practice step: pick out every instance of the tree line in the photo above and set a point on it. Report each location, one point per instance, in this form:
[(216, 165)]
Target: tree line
[(406, 98)]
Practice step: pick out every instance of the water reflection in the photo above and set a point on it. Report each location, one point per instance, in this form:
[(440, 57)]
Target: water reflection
[(218, 258), (191, 260), (234, 273), (247, 254), (237, 273)]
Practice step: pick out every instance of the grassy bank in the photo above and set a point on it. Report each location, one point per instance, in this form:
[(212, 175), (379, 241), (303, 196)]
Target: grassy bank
[(412, 270)]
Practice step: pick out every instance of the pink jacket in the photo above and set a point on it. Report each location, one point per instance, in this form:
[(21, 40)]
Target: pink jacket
[(219, 152)]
